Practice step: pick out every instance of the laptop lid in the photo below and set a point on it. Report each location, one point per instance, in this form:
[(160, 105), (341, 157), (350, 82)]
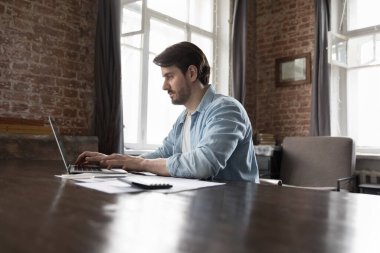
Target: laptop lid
[(59, 141), (72, 169)]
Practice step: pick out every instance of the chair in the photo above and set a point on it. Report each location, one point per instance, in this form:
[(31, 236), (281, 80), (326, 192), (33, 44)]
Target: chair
[(321, 163)]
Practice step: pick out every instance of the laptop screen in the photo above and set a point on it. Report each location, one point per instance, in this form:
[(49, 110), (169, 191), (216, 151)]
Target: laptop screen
[(59, 141)]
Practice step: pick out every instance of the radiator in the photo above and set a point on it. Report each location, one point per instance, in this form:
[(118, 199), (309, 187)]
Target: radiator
[(368, 176)]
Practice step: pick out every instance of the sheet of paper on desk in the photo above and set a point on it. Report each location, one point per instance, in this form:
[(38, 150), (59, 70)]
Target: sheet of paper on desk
[(89, 176), (111, 186), (115, 186)]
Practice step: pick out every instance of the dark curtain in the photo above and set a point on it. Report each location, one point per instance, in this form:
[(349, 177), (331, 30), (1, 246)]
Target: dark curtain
[(108, 112), (320, 103), (239, 38)]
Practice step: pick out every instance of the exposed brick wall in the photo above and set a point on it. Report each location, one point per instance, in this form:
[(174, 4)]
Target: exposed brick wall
[(46, 61), (282, 28)]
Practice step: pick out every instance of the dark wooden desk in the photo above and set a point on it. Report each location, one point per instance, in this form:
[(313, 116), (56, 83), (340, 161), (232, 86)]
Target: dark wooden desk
[(41, 213)]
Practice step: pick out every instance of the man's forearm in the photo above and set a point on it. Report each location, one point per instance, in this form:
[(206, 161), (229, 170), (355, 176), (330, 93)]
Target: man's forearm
[(155, 166)]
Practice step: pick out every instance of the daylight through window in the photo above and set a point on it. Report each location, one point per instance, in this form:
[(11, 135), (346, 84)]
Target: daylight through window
[(148, 114)]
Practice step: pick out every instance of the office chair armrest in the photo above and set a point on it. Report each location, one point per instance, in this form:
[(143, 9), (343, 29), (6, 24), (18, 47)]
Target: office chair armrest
[(266, 181), (340, 180)]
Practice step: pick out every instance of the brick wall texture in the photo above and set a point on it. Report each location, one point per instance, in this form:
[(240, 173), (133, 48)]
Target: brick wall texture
[(46, 61), (281, 28)]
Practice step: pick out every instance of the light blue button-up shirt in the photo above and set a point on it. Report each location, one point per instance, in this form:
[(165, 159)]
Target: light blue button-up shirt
[(221, 142)]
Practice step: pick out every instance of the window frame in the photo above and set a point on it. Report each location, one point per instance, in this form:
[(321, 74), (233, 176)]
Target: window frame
[(339, 72), (218, 69)]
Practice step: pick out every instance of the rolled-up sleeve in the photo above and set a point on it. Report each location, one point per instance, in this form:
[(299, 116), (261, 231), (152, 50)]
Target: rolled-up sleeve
[(170, 142)]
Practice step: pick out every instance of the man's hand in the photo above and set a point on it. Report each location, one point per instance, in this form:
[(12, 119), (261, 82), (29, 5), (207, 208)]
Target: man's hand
[(126, 162), (89, 157)]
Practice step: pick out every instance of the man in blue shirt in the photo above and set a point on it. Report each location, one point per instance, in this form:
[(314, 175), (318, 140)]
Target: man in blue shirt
[(211, 139)]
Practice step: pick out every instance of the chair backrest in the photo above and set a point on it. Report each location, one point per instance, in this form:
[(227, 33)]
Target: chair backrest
[(316, 161)]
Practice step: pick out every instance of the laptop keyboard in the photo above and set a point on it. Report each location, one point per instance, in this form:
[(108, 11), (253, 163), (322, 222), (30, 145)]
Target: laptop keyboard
[(86, 169)]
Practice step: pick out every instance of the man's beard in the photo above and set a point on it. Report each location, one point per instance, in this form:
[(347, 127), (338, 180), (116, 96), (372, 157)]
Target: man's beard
[(179, 98)]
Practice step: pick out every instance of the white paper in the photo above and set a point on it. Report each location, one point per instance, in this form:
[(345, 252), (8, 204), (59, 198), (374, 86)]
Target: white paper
[(109, 186), (89, 176), (115, 186)]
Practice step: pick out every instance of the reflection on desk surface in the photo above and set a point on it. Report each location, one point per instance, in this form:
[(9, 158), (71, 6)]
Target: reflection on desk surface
[(42, 213)]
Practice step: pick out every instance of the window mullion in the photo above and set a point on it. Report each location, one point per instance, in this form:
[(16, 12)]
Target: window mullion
[(144, 82)]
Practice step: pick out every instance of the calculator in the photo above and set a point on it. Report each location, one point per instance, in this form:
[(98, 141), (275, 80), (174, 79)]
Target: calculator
[(146, 186)]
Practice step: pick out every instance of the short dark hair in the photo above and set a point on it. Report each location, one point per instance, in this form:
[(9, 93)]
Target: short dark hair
[(182, 55)]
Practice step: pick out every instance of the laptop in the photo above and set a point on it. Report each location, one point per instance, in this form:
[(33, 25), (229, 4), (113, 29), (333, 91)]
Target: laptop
[(75, 169)]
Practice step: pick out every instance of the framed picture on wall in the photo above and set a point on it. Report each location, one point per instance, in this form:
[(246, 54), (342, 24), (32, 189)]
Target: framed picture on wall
[(293, 70)]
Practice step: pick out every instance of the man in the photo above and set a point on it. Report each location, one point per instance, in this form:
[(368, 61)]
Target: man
[(211, 139)]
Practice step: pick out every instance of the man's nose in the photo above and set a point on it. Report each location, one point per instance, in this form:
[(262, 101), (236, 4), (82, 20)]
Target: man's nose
[(165, 85)]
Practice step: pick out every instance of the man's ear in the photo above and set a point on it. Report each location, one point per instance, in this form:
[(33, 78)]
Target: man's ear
[(192, 73)]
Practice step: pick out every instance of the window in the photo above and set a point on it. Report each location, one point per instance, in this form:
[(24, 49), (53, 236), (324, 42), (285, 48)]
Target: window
[(355, 66), (148, 27)]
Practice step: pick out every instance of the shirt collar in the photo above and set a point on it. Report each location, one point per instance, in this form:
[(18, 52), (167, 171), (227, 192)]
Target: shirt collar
[(208, 97)]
